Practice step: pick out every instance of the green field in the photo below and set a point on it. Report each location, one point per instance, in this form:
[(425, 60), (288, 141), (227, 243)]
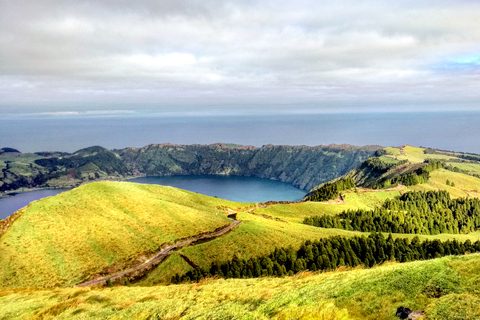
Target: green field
[(257, 236), (446, 288), (296, 212), (415, 154)]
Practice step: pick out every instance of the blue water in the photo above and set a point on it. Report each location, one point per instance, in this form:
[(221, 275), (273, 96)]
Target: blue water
[(457, 131), (11, 204), (241, 189)]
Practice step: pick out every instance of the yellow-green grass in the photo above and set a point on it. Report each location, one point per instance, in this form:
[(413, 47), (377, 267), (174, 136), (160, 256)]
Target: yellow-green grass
[(256, 236), (415, 154), (469, 167), (369, 199), (465, 185), (173, 264), (392, 151), (296, 212), (61, 240), (341, 295), (390, 160)]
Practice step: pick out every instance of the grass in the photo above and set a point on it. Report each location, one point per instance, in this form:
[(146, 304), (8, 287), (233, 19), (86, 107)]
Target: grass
[(296, 212), (473, 168), (173, 264), (389, 160), (442, 287), (256, 236), (415, 154), (60, 240), (392, 151), (465, 185)]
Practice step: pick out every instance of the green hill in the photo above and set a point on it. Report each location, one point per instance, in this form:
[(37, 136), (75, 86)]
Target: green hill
[(63, 239)]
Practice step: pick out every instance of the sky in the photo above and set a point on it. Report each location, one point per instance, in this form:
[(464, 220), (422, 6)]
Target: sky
[(59, 55)]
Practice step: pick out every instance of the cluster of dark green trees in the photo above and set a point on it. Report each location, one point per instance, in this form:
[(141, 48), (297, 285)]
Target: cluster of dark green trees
[(377, 165), (331, 190), (431, 212), (450, 183), (420, 175), (472, 157), (330, 253)]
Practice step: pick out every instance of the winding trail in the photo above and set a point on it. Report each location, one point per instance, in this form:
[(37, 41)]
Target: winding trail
[(160, 256)]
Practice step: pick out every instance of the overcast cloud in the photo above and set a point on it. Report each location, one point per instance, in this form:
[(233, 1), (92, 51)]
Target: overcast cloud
[(388, 54)]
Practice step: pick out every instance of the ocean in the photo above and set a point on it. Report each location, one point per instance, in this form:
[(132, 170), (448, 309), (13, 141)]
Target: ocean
[(456, 131)]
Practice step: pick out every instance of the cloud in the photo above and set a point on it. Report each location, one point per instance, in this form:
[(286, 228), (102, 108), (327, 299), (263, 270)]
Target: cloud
[(238, 52)]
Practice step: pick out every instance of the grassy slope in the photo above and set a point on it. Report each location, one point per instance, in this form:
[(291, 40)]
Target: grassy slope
[(59, 240), (446, 288), (296, 212), (414, 154), (465, 185)]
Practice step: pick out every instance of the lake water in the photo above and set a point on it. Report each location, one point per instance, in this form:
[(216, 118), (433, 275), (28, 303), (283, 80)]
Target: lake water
[(457, 131), (11, 204), (241, 189)]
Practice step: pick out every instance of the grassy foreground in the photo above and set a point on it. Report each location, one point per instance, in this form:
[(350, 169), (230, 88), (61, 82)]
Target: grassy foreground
[(446, 288), (63, 239)]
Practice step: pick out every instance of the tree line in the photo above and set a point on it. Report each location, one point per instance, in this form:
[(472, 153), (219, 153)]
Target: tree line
[(330, 253), (420, 175), (431, 212), (378, 165), (331, 190)]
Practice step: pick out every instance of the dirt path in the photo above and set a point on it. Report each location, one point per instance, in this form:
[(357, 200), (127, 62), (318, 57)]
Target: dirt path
[(160, 256)]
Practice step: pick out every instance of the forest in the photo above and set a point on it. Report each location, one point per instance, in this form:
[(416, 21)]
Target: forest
[(415, 212), (331, 190)]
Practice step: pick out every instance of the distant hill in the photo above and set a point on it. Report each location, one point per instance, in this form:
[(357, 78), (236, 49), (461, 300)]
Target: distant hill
[(301, 166), (5, 150), (413, 168)]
